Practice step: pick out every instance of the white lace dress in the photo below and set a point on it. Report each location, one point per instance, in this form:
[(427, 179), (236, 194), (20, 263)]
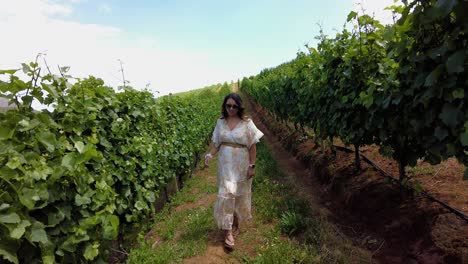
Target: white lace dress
[(234, 195)]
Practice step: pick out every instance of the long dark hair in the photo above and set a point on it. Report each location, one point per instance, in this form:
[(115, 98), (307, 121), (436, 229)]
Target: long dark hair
[(236, 97)]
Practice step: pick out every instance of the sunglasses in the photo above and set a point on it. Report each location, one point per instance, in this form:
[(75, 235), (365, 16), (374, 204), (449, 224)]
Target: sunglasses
[(232, 106)]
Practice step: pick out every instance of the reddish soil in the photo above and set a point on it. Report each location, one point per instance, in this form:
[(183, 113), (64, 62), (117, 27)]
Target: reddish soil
[(398, 227), (443, 181)]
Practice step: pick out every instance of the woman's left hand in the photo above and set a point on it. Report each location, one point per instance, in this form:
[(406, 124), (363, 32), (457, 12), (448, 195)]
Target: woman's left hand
[(251, 172)]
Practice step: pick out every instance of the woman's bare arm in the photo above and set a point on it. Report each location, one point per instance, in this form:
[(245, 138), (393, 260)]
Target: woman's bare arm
[(213, 149), (209, 155)]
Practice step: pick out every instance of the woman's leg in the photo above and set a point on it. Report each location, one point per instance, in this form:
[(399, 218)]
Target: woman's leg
[(242, 210)]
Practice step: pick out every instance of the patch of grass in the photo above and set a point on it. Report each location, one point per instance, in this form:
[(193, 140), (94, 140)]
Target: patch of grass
[(166, 229), (165, 252), (284, 251), (183, 235), (292, 223), (209, 189), (309, 239), (276, 203), (146, 254), (317, 232), (198, 225), (276, 249), (418, 170), (266, 203), (297, 205), (267, 192), (182, 198), (271, 197), (207, 91), (179, 234)]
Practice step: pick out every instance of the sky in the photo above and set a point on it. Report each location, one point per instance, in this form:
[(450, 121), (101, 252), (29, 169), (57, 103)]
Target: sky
[(168, 46)]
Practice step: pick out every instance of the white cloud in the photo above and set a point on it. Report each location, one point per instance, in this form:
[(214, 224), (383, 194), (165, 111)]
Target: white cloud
[(91, 49), (33, 9), (57, 9), (30, 32)]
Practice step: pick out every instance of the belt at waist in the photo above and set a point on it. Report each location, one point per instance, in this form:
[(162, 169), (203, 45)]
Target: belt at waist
[(234, 145)]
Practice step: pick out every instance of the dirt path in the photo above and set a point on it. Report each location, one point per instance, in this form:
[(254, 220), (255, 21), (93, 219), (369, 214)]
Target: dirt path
[(290, 167), (307, 186), (215, 252)]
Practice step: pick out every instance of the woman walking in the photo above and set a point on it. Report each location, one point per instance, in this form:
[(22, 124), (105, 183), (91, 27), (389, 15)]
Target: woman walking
[(234, 137)]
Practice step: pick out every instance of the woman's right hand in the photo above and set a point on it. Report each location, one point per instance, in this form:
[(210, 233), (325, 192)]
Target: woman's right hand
[(208, 157)]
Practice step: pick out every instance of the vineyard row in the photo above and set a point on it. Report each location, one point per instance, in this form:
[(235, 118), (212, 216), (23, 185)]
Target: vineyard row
[(401, 86), (76, 178)]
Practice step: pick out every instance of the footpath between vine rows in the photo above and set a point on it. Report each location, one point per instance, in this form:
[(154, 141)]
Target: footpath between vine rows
[(288, 226), (369, 211), (357, 218)]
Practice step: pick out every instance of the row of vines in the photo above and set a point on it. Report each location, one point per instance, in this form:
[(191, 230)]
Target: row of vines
[(74, 177), (400, 86)]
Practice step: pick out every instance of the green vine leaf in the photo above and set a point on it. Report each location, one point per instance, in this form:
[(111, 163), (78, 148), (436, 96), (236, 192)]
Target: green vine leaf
[(431, 79), (458, 94), (19, 230), (6, 132), (82, 200), (13, 163), (48, 139), (8, 252), (91, 251), (464, 139), (29, 197), (79, 146), (450, 115), (440, 133), (13, 71), (351, 16), (11, 218), (111, 227), (38, 234), (69, 161)]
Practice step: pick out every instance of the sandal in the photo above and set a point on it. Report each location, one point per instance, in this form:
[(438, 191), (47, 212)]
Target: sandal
[(229, 244)]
